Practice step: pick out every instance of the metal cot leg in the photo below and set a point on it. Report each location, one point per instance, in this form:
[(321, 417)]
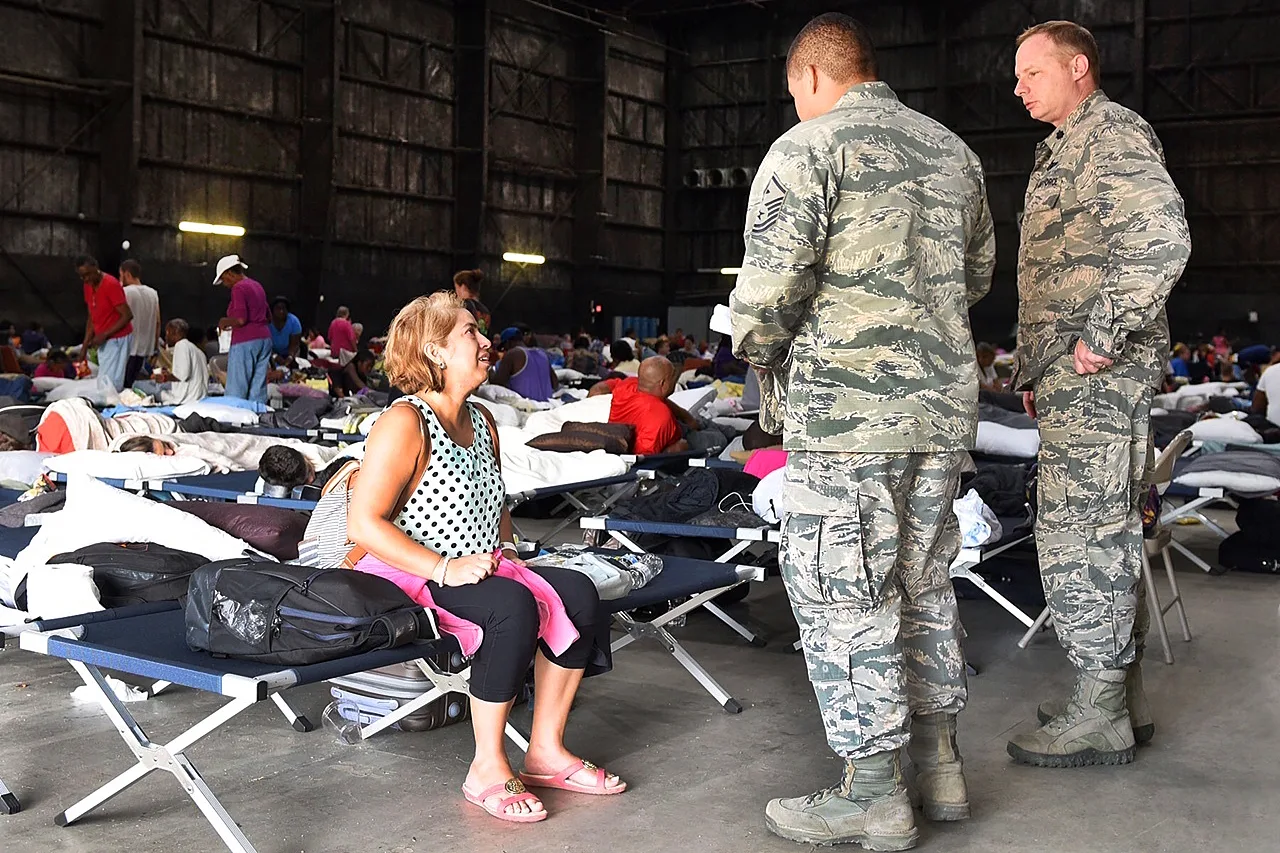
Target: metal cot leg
[(1040, 622), (8, 801), (168, 757), (298, 721)]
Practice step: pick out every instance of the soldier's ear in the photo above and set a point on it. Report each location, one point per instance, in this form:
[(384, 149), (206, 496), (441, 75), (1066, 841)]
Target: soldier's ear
[(1079, 66)]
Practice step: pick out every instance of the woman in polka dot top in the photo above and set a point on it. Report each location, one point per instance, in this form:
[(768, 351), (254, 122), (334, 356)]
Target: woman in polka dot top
[(450, 548)]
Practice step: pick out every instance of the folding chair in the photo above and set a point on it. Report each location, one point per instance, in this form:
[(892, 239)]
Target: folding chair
[(153, 645), (621, 530), (1160, 476)]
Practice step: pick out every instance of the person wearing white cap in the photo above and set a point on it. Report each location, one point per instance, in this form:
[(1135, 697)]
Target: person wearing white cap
[(248, 317)]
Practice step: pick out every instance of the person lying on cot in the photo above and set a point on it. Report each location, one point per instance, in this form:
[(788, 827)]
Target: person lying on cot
[(428, 508)]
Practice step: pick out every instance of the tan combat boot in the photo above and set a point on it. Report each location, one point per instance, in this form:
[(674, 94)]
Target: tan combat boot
[(1135, 697), (1094, 727), (869, 807), (939, 784)]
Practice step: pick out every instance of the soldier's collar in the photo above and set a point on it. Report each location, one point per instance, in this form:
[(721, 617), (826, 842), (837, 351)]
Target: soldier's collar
[(1087, 106), (866, 92)]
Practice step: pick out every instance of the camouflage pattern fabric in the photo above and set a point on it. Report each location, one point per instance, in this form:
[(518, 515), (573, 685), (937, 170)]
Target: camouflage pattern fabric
[(867, 542), (1095, 452), (1104, 239), (867, 239)]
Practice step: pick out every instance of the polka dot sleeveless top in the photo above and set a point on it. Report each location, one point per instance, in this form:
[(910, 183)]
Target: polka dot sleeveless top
[(456, 508)]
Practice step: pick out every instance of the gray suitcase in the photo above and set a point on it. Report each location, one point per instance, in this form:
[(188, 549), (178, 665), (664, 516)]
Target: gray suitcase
[(366, 697)]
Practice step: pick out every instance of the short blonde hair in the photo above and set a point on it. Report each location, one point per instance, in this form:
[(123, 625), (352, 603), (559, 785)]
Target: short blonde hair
[(425, 320), (1072, 39)]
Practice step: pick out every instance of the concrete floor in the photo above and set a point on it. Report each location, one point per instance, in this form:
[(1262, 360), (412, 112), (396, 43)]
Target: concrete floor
[(699, 777)]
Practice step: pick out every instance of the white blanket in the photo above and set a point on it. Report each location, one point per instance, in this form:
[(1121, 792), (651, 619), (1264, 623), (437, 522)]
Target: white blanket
[(217, 411), (95, 512), (1000, 440), (524, 468), (232, 451), (593, 410)]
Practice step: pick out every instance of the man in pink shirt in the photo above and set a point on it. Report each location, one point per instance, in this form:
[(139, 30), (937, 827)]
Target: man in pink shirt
[(342, 335), (247, 318)]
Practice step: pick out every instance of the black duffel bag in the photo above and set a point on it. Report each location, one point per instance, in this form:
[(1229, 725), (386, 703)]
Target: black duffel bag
[(136, 572), (295, 615)]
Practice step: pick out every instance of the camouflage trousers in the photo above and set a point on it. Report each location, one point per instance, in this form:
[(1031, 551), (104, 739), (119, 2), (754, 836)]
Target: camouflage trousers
[(1095, 455), (867, 542)]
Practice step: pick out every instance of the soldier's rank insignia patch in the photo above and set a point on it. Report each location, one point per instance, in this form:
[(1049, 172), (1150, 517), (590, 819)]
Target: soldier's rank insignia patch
[(770, 207)]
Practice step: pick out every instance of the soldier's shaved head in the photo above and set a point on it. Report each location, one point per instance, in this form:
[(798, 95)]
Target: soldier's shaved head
[(838, 46)]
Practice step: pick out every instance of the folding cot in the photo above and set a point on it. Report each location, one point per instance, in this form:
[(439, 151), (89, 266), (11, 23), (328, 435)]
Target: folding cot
[(742, 538), (716, 462), (597, 496), (1017, 531), (584, 497), (150, 642), (318, 436), (235, 487)]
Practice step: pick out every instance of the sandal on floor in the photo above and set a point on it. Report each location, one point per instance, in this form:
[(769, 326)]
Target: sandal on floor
[(561, 781), (517, 793)]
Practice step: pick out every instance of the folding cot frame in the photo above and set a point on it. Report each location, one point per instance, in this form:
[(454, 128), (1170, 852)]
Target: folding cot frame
[(244, 684), (577, 496), (620, 531), (9, 803), (1193, 509), (203, 486)]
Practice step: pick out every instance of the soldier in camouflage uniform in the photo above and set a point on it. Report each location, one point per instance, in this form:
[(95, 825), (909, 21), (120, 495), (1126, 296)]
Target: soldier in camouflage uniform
[(868, 237), (1104, 239)]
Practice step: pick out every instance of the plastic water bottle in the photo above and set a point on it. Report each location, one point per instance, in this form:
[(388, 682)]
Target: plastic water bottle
[(346, 730), (642, 568)]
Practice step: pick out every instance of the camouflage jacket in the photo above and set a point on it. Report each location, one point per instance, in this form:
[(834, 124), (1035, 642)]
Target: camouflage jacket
[(1104, 239), (868, 237)]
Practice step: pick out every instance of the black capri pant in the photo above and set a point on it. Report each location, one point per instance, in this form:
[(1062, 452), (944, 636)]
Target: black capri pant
[(508, 614)]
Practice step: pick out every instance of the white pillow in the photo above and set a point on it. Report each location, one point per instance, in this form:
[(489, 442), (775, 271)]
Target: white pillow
[(496, 393), (218, 411), (48, 383), (766, 500), (593, 410), (95, 512), (1000, 440), (97, 390), (1233, 481), (503, 415), (694, 399), (565, 374), (126, 466), (22, 466), (1227, 430)]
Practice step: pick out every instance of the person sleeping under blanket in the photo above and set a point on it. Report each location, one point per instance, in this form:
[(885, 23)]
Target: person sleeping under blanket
[(225, 452)]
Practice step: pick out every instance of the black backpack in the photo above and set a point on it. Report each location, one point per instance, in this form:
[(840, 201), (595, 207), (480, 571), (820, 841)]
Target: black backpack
[(136, 572), (296, 615)]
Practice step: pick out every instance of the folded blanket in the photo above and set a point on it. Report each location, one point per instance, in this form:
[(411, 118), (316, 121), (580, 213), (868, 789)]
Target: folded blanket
[(1250, 473)]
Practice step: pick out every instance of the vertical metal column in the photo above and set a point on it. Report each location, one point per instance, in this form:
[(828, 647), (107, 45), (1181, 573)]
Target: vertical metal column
[(317, 152), (470, 129)]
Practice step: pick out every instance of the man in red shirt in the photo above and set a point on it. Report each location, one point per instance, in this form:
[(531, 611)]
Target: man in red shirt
[(110, 323), (642, 402)]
